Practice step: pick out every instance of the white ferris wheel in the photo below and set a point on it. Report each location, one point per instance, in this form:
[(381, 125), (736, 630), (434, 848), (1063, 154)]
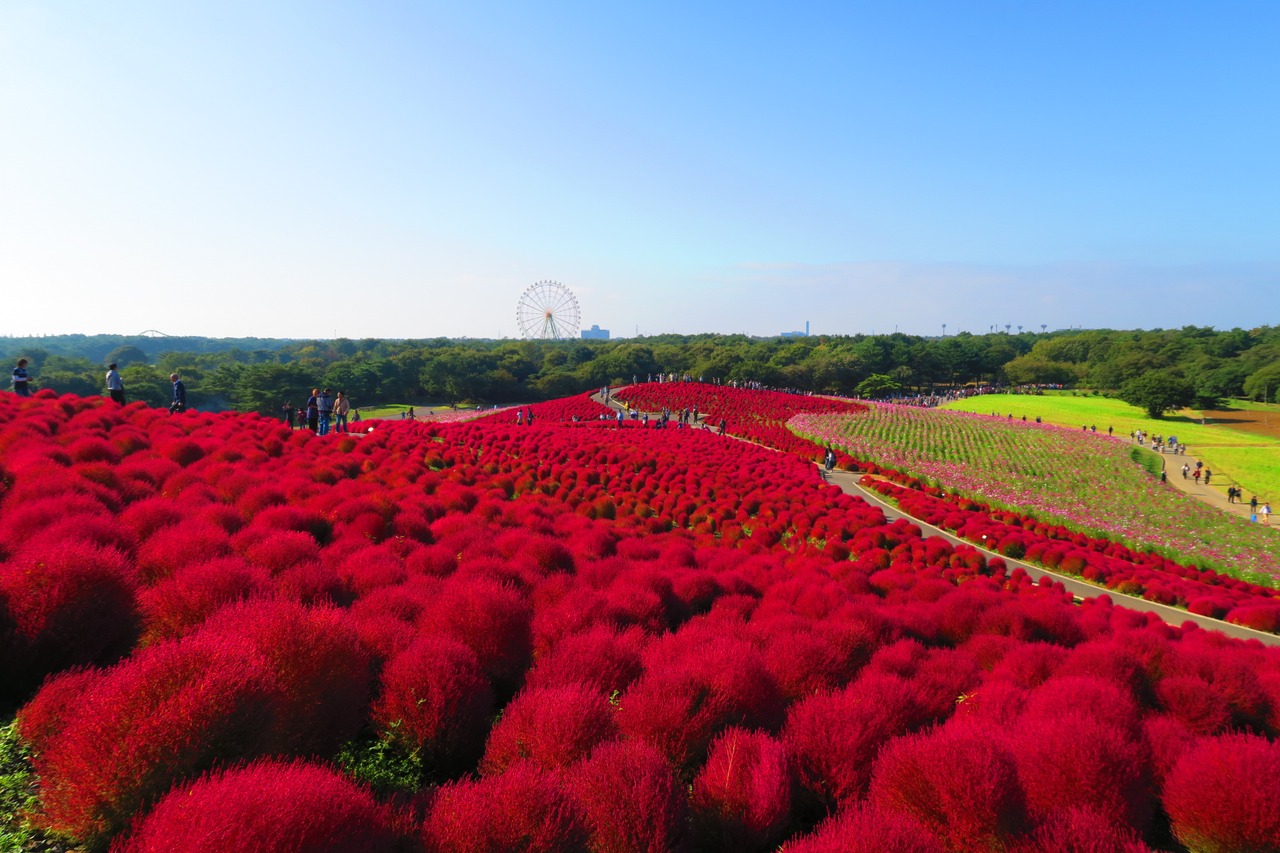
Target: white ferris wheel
[(548, 309)]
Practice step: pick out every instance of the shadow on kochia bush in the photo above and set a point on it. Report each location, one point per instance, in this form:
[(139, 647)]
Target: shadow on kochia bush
[(267, 807), (1079, 830), (259, 678), (66, 604), (526, 808), (864, 829)]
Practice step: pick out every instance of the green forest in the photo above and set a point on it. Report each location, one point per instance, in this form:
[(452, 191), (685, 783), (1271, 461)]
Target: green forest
[(1157, 369)]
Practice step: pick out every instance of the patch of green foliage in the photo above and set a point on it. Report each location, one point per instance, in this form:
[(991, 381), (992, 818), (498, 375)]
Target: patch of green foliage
[(383, 764), (1148, 460), (18, 796)]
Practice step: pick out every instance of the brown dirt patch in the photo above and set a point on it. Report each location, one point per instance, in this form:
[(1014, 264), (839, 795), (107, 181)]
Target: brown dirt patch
[(1256, 423)]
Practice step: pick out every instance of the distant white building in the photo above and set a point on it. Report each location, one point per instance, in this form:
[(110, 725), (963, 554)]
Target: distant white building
[(803, 334), (595, 333)]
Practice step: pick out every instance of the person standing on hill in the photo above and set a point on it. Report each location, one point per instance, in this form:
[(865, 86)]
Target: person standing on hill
[(324, 407), (341, 407), (115, 385), (21, 382), (313, 411), (179, 403)]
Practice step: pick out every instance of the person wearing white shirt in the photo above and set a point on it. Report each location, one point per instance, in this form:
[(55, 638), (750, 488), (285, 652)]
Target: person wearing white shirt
[(115, 385)]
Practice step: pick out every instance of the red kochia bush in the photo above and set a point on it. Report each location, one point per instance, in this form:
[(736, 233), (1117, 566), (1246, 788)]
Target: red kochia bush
[(742, 798), (551, 726), (864, 829), (1224, 795), (630, 799), (1079, 760), (834, 738), (489, 617), (68, 604), (688, 694), (956, 780), (170, 548), (436, 700), (268, 807), (321, 671), (524, 809), (166, 714), (601, 656), (179, 603)]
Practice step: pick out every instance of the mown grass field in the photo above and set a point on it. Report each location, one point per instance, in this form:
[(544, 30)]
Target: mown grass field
[(1250, 460)]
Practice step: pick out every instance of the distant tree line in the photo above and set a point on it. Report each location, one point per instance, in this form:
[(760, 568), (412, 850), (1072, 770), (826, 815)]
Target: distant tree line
[(1189, 366)]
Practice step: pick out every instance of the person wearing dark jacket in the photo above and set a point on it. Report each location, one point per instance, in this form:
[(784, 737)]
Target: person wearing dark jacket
[(179, 403)]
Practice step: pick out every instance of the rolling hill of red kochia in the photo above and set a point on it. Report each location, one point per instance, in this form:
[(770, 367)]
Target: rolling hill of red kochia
[(1111, 565), (591, 638)]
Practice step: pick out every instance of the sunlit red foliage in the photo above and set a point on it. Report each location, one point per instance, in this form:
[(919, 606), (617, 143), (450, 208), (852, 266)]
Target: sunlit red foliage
[(525, 808), (267, 807), (1224, 795), (668, 639)]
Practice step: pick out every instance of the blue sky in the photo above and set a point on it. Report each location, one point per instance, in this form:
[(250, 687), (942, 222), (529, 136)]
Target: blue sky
[(398, 169)]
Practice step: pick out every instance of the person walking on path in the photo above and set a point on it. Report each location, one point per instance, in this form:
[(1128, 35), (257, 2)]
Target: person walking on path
[(1186, 469), (1207, 475), (1253, 505), (21, 382), (115, 385), (1266, 513)]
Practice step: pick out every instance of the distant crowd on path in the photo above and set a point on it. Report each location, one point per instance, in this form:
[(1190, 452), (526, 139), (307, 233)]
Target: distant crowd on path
[(1159, 443), (929, 401), (1235, 494), (750, 385)]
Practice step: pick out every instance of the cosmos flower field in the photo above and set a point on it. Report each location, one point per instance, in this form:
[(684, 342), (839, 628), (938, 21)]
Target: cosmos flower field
[(577, 635), (1083, 480)]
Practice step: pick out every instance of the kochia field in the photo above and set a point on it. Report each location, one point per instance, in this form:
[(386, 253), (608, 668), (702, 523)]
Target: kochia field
[(577, 635)]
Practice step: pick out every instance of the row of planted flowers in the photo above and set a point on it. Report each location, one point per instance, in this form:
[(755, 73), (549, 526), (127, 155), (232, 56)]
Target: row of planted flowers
[(486, 636), (1115, 567), (757, 416), (1072, 477)]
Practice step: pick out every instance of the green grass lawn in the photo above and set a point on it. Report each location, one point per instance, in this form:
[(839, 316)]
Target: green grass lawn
[(392, 411), (1252, 461)]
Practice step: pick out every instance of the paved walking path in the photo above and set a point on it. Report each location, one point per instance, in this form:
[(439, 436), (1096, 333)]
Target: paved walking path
[(1214, 494), (848, 483)]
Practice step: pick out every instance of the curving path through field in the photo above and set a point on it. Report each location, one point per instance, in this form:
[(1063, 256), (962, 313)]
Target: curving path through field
[(1215, 496), (847, 481)]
